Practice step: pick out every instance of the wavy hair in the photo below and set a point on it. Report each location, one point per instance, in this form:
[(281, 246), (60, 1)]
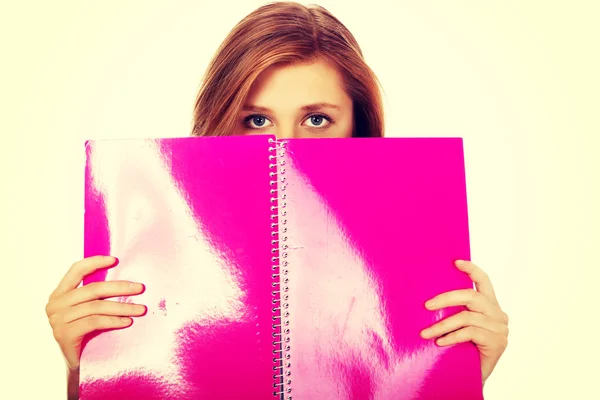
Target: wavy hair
[(284, 33)]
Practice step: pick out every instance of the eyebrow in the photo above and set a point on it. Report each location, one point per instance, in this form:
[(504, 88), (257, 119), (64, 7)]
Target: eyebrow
[(308, 108)]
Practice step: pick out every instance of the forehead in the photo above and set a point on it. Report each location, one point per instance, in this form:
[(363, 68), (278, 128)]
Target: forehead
[(296, 85)]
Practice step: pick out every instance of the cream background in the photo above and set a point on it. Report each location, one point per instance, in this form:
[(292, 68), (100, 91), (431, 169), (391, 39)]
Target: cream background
[(517, 79)]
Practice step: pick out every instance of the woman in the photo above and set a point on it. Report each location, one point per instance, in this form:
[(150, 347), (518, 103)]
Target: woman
[(294, 71)]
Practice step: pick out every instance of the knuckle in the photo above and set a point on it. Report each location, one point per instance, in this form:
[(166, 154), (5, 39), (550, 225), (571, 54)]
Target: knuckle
[(97, 306), (48, 309), (470, 331), (96, 289), (94, 322), (61, 334), (58, 334), (473, 294), (470, 318), (87, 308), (503, 343), (54, 321), (76, 265)]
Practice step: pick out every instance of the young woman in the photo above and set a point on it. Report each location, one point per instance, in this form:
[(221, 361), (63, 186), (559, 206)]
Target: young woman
[(297, 72)]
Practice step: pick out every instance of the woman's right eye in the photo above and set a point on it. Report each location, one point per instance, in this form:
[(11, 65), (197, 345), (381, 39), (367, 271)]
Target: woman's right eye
[(257, 121)]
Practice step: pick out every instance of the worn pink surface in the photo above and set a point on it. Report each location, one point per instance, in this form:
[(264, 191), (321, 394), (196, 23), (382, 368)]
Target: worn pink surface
[(190, 219), (373, 228)]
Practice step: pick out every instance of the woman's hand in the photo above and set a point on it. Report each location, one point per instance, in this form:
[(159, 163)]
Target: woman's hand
[(74, 312), (483, 323)]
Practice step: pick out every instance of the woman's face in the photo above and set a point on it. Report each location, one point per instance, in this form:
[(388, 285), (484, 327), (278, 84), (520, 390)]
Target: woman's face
[(298, 101)]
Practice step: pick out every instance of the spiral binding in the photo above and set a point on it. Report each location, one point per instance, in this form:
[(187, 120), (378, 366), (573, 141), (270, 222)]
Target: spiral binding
[(281, 331)]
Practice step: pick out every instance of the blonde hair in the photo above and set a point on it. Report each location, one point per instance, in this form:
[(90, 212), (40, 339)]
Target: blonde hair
[(284, 33)]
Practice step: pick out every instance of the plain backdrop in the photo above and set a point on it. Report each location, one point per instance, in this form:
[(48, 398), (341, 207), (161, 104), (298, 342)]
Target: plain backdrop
[(518, 80)]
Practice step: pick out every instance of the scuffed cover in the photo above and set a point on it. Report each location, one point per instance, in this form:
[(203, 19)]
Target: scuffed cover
[(190, 219), (373, 228)]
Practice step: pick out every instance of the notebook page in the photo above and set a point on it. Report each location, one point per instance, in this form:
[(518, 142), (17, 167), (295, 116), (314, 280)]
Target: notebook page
[(188, 218), (373, 228)]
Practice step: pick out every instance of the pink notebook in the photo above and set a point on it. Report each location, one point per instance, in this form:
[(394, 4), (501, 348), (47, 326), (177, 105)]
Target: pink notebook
[(292, 269)]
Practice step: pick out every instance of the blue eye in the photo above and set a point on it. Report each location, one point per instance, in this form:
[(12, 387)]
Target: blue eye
[(259, 121), (256, 121), (318, 121)]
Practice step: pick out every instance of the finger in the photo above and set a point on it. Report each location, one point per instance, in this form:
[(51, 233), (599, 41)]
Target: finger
[(78, 329), (79, 270), (479, 277), (463, 320), (470, 298), (95, 291), (101, 307), (481, 337)]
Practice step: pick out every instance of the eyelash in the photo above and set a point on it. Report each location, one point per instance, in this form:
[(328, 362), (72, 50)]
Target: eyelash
[(250, 117)]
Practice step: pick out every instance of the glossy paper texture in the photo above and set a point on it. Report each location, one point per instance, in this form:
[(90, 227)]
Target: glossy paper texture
[(374, 226), (190, 219)]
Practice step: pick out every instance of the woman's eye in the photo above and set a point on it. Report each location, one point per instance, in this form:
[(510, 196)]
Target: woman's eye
[(317, 121), (257, 121)]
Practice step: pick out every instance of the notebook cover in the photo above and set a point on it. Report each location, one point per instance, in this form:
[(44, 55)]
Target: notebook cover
[(373, 228), (188, 218)]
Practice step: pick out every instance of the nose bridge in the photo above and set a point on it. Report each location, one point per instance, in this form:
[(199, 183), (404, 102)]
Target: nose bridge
[(286, 130)]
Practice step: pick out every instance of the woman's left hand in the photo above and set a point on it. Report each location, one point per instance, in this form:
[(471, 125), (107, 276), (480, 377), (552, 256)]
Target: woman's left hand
[(484, 323)]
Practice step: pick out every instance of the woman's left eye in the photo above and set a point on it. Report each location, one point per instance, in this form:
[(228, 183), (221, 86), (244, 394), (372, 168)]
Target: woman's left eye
[(317, 121)]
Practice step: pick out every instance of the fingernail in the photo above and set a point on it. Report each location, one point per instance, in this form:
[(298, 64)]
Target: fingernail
[(126, 320), (441, 341), (425, 333), (141, 309), (430, 304), (136, 286), (460, 263), (112, 260)]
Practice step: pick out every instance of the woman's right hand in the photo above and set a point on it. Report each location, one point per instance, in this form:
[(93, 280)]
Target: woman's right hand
[(74, 312)]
